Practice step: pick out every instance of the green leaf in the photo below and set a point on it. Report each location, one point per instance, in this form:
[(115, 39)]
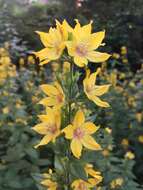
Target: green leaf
[(77, 171)]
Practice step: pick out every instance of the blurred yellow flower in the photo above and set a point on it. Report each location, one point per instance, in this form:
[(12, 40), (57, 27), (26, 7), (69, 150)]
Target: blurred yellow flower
[(116, 183), (80, 184), (105, 152), (108, 130), (139, 117), (140, 138), (50, 126), (131, 101), (112, 78), (56, 97), (31, 59), (5, 110), (80, 134), (116, 55), (130, 155), (94, 91), (21, 61), (51, 185), (125, 142), (96, 176), (123, 50), (125, 60), (83, 45)]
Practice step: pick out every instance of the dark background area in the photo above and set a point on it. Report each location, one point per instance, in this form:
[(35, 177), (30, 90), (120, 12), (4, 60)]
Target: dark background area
[(122, 20)]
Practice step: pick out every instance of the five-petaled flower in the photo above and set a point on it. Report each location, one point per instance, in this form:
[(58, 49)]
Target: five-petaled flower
[(80, 134), (93, 91), (84, 43), (50, 126), (55, 94), (95, 176), (54, 42)]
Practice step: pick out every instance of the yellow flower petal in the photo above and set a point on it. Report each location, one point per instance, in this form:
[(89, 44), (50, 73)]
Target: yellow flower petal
[(59, 88), (67, 26), (44, 37), (76, 148), (99, 102), (58, 118), (42, 54), (41, 128), (71, 48), (44, 62), (45, 140), (68, 131), (90, 128), (90, 143), (46, 118), (80, 61), (97, 57), (48, 101), (79, 119), (95, 181), (96, 39), (49, 89), (93, 76), (100, 90)]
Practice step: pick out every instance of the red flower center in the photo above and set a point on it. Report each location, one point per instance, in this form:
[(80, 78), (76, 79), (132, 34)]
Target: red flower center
[(78, 133), (52, 129), (60, 98), (81, 50)]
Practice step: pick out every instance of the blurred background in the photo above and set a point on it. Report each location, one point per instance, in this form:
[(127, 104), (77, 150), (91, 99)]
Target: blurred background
[(20, 76), (123, 21)]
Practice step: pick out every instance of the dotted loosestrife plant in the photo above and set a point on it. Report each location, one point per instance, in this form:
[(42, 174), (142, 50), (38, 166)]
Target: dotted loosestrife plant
[(65, 124)]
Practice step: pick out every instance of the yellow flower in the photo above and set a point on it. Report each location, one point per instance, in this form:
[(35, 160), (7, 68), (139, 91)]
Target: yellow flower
[(31, 59), (51, 185), (80, 184), (116, 183), (108, 130), (5, 110), (113, 78), (21, 61), (139, 117), (131, 101), (83, 45), (50, 126), (96, 176), (140, 138), (80, 134), (132, 84), (93, 91), (105, 153), (55, 94), (116, 55), (129, 155), (125, 60), (125, 142), (54, 42), (123, 50)]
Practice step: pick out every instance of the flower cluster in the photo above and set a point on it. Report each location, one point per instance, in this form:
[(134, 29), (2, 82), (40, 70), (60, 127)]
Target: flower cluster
[(7, 69), (63, 119), (81, 44)]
